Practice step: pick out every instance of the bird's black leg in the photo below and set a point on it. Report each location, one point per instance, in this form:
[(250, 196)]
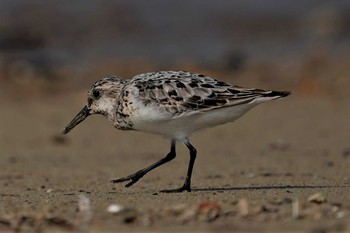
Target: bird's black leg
[(139, 174), (187, 184)]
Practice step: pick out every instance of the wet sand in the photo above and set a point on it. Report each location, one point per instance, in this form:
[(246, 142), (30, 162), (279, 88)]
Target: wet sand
[(255, 175)]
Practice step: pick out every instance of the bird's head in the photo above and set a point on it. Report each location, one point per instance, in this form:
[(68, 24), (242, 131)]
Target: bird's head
[(102, 99)]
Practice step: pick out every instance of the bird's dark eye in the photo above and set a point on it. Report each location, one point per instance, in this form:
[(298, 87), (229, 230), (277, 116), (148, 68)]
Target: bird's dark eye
[(96, 94)]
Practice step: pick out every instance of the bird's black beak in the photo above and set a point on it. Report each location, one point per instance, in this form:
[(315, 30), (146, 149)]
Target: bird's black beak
[(85, 112)]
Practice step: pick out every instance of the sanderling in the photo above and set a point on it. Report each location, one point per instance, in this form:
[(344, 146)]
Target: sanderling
[(169, 103)]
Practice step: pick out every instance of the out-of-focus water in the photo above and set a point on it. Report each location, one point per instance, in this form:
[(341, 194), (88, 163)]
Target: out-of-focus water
[(167, 31)]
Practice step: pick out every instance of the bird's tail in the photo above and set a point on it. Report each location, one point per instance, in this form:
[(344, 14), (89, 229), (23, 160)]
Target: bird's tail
[(269, 95), (277, 94)]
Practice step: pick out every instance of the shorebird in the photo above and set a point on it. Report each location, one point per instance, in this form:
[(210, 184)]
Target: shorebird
[(170, 103)]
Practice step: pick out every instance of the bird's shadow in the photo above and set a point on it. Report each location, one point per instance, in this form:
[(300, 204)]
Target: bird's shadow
[(274, 187)]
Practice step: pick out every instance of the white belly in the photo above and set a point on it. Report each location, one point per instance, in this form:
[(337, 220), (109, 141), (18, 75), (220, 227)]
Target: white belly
[(180, 127)]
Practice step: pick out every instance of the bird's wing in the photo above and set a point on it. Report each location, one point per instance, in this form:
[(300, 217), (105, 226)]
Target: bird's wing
[(182, 92)]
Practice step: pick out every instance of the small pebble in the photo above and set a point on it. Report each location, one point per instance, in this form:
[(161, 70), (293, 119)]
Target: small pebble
[(243, 207), (209, 210), (340, 214), (296, 209), (115, 208), (269, 208), (317, 198), (130, 219), (188, 214), (129, 215), (251, 175)]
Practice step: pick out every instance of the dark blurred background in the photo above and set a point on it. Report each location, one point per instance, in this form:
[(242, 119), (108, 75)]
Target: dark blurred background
[(51, 46)]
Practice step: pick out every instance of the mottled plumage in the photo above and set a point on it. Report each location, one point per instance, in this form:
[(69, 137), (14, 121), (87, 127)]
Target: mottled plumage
[(170, 103)]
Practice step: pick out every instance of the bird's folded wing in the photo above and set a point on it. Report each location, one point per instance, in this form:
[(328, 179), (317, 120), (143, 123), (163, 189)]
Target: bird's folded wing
[(184, 92)]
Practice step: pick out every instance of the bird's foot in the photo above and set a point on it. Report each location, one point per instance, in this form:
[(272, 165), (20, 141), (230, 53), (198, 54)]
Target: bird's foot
[(133, 177)]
